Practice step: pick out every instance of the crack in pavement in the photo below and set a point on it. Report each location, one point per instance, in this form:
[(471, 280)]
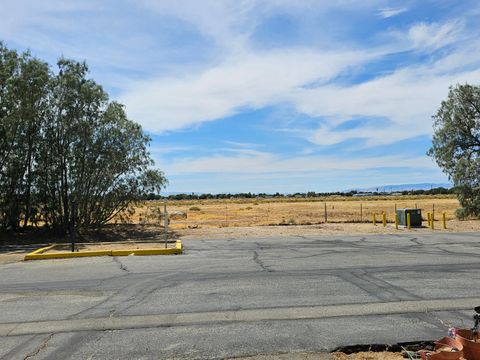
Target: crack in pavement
[(260, 263), (121, 265), (42, 346)]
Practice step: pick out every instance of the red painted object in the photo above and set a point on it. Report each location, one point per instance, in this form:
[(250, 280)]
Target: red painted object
[(454, 352), (471, 346)]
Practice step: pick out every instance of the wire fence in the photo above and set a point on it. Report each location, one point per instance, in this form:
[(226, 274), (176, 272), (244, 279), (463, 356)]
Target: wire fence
[(230, 213)]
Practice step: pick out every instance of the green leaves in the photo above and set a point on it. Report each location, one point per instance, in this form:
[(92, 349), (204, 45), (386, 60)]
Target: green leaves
[(456, 144), (63, 141)]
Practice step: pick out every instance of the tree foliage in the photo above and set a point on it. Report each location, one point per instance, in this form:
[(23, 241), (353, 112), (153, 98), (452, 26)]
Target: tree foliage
[(456, 144), (62, 142)]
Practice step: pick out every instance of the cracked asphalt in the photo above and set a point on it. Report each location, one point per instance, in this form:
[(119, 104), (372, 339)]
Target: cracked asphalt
[(241, 297)]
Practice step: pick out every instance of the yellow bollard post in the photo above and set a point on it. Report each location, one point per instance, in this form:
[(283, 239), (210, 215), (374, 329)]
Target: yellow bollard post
[(373, 219), (384, 219), (396, 221), (428, 219), (444, 220), (432, 226), (433, 217), (408, 221)]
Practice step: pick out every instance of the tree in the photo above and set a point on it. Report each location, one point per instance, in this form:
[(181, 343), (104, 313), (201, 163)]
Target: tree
[(456, 145), (23, 81), (62, 142)]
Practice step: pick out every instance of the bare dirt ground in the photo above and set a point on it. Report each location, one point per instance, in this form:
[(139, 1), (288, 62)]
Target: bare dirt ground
[(114, 246), (12, 257), (321, 229), (367, 356), (14, 246), (327, 356)]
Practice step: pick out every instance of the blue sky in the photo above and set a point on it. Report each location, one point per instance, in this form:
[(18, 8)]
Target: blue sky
[(264, 95)]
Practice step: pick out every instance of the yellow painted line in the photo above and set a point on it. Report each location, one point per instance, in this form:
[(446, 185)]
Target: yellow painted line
[(39, 254), (63, 255), (42, 250), (145, 252)]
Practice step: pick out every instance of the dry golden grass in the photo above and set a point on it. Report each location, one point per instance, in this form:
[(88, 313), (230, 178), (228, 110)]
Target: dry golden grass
[(368, 356), (261, 212)]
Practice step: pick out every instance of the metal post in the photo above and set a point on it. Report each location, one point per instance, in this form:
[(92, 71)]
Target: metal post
[(166, 222), (72, 231), (433, 213), (361, 213), (431, 222), (326, 219), (226, 213), (396, 221), (384, 219), (408, 221), (268, 211), (429, 219), (444, 218)]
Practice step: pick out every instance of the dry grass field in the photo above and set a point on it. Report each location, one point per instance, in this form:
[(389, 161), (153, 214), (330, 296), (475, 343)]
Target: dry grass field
[(195, 214)]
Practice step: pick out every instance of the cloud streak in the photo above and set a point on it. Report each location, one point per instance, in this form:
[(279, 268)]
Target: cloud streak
[(248, 80), (257, 162), (390, 12)]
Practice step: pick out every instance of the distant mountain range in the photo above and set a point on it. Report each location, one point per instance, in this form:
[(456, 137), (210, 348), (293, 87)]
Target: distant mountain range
[(404, 187)]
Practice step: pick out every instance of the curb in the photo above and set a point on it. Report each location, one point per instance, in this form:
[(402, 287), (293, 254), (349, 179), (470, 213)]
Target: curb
[(40, 253)]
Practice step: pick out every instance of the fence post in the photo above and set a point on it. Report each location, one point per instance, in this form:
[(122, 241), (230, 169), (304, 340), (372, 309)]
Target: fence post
[(433, 215), (226, 213), (444, 218), (166, 222), (396, 221), (384, 219), (428, 219), (326, 218), (268, 211), (361, 212), (409, 223)]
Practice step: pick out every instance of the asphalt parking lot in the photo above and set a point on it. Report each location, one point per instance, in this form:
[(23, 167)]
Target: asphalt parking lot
[(239, 297)]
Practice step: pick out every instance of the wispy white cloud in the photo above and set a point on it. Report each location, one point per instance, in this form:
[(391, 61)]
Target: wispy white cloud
[(242, 144), (256, 162), (390, 12), (251, 80), (407, 98), (433, 36), (166, 149)]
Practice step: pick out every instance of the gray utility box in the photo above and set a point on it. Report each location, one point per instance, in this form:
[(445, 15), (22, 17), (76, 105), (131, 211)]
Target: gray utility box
[(415, 217)]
